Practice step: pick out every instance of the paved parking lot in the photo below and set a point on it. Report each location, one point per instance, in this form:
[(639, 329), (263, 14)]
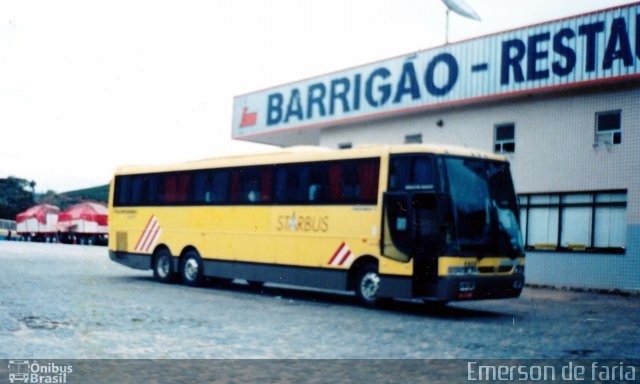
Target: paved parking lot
[(64, 301)]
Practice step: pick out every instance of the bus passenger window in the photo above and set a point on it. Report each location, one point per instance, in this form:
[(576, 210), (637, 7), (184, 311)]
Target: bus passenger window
[(266, 183), (218, 192), (368, 175), (292, 181), (351, 185), (122, 190), (137, 186), (249, 189), (253, 185), (184, 187), (335, 182), (176, 188), (210, 187), (200, 184), (281, 184), (234, 187), (317, 183), (155, 190)]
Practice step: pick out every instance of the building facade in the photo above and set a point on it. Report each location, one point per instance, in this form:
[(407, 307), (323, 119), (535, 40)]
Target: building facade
[(560, 99)]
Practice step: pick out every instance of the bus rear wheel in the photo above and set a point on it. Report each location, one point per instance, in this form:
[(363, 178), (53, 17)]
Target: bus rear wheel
[(368, 285), (191, 269), (162, 270)]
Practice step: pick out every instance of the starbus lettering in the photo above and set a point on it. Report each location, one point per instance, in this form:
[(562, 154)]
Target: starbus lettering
[(302, 223), (377, 89), (529, 60)]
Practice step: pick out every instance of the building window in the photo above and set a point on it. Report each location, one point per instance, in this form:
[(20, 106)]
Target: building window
[(505, 138), (608, 127), (345, 145), (413, 139), (587, 222)]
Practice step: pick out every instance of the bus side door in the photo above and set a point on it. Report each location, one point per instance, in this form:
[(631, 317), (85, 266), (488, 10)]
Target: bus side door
[(410, 230), (397, 226)]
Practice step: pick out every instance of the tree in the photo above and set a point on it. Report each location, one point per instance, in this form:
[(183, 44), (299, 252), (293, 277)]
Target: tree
[(59, 200), (32, 184), (14, 197)]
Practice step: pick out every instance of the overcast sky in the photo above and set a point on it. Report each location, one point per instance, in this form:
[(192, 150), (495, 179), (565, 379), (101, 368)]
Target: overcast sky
[(86, 86)]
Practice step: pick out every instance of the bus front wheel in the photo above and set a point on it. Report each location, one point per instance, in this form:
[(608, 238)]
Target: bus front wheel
[(191, 269), (162, 270), (368, 285)]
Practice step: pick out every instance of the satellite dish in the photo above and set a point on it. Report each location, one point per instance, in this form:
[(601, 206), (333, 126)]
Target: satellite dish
[(461, 8)]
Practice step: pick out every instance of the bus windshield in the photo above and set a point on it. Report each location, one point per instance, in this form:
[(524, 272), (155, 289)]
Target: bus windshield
[(484, 207)]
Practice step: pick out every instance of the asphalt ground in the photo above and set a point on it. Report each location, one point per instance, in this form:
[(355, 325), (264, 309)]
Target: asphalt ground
[(71, 302)]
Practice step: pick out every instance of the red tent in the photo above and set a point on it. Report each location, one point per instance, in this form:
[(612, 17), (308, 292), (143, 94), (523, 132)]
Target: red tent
[(39, 212), (85, 211)]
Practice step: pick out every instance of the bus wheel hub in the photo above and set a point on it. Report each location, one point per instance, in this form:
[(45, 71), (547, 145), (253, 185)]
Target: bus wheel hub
[(370, 284)]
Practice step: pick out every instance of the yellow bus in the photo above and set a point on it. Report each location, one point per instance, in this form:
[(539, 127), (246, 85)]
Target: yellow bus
[(413, 221)]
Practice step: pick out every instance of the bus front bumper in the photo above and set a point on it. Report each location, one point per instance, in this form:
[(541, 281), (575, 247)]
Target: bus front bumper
[(455, 288)]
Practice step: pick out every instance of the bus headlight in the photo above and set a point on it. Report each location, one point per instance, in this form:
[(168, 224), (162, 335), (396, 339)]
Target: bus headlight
[(460, 271)]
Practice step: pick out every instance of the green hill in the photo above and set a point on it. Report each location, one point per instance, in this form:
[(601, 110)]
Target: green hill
[(65, 199), (100, 193)]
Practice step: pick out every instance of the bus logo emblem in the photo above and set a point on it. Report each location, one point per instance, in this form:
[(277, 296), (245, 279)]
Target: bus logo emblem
[(19, 370), (149, 236), (342, 256)]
